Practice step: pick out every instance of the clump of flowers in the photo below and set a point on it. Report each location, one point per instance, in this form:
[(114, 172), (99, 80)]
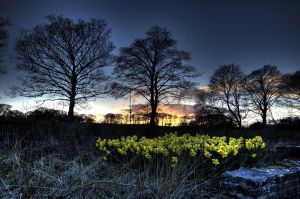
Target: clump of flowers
[(173, 147)]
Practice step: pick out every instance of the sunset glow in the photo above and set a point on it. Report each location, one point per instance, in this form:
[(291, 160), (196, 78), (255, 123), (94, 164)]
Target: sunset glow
[(149, 99)]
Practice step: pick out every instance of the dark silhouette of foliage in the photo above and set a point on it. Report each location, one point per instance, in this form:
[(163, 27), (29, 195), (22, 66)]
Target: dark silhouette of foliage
[(208, 113), (164, 119), (111, 118), (15, 115), (4, 108), (186, 120), (63, 60), (227, 83), (85, 118), (264, 89), (291, 90), (256, 125), (153, 68), (290, 121), (7, 114), (46, 114), (3, 40)]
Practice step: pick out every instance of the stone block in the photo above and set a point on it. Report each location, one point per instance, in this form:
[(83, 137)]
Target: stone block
[(263, 183)]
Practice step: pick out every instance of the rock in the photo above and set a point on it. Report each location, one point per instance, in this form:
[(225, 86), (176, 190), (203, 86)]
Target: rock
[(263, 183)]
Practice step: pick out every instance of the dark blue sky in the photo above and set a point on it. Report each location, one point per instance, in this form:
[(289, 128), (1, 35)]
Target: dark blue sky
[(247, 32)]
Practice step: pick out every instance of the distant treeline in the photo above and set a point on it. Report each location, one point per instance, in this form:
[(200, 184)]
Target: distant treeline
[(63, 60), (46, 114), (213, 121)]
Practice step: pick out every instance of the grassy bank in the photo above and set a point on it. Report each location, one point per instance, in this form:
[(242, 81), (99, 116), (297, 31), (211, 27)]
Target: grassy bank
[(60, 160)]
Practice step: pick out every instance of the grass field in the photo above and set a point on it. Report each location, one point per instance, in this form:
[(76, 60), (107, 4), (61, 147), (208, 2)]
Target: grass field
[(61, 160)]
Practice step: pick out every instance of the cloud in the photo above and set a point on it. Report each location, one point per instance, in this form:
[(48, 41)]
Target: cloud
[(172, 109), (177, 109)]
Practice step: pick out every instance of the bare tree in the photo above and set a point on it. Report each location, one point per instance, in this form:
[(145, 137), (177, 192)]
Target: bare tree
[(227, 84), (153, 68), (291, 90), (63, 60), (207, 110), (264, 89), (3, 41)]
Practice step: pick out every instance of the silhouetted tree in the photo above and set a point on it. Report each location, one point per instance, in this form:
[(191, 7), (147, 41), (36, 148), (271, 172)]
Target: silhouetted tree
[(90, 118), (204, 98), (15, 115), (83, 118), (6, 114), (163, 118), (186, 120), (119, 118), (111, 118), (264, 89), (3, 41), (290, 121), (291, 90), (227, 85), (153, 68), (4, 109), (63, 60), (207, 111), (46, 114)]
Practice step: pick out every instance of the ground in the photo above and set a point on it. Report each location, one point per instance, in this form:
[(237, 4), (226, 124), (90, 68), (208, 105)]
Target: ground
[(60, 160)]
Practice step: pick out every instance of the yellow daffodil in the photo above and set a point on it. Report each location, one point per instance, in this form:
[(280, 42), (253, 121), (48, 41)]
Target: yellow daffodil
[(172, 144)]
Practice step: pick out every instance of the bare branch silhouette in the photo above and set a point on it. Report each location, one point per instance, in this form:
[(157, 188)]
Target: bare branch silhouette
[(63, 60), (153, 68), (227, 84), (3, 41), (264, 89), (208, 110), (291, 90)]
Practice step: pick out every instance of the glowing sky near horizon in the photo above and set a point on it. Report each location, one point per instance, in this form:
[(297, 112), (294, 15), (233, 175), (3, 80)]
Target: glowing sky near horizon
[(250, 33)]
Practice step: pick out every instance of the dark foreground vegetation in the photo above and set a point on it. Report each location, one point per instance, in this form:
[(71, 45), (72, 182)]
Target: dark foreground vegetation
[(54, 159), (64, 130)]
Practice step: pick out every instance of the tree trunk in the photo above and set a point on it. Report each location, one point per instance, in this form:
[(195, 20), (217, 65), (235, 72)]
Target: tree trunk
[(264, 111), (71, 107), (264, 118), (153, 115), (240, 123), (72, 95)]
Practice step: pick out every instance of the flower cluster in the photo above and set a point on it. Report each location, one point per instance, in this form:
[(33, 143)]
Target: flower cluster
[(254, 143), (174, 146)]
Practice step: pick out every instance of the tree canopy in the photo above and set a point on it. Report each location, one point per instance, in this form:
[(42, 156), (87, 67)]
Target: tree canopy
[(227, 83), (63, 60), (153, 68), (264, 89)]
